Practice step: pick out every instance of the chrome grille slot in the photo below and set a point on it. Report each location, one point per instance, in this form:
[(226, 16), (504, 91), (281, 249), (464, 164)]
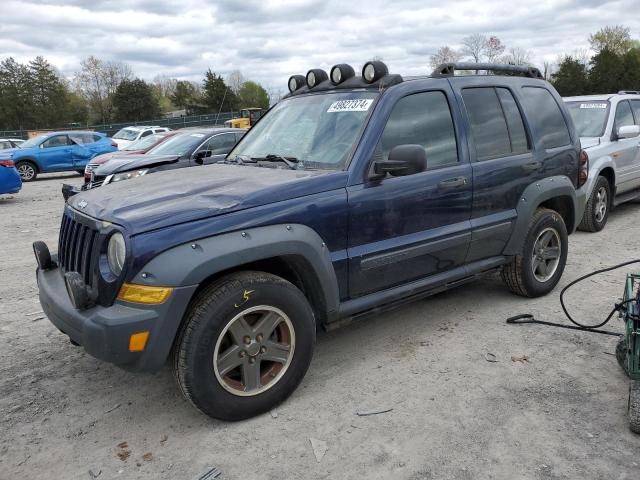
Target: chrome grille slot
[(75, 247)]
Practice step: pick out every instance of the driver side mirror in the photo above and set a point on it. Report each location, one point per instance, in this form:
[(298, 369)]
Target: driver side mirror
[(403, 160), (201, 155), (628, 131)]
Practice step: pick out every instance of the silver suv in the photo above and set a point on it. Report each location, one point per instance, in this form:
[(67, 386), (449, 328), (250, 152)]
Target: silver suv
[(609, 130)]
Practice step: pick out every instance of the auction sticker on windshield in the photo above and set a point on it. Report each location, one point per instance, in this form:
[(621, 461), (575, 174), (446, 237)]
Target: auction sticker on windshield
[(356, 105), (593, 105)]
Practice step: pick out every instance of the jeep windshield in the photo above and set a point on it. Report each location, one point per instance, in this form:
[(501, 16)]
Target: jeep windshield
[(314, 131), (590, 118)]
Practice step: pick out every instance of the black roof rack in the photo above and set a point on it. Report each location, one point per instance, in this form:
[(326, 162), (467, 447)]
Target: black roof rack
[(628, 92), (449, 69)]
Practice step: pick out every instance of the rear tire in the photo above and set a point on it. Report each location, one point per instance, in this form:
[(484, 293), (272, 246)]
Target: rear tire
[(27, 170), (596, 212), (536, 270), (634, 406), (80, 172), (246, 344)]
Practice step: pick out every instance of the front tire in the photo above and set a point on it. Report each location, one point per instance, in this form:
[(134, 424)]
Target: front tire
[(596, 212), (27, 170), (246, 344), (537, 269)]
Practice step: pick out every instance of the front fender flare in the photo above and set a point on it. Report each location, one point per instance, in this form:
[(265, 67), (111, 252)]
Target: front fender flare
[(193, 262), (538, 193)]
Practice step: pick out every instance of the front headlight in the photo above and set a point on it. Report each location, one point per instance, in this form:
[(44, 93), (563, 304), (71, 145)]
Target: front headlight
[(127, 175), (116, 253)]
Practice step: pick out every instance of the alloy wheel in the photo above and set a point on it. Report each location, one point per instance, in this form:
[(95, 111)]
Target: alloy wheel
[(546, 254), (254, 350), (601, 204), (26, 171)]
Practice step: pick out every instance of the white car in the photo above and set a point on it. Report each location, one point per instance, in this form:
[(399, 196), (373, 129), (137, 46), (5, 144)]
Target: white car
[(131, 134), (609, 130), (6, 143)]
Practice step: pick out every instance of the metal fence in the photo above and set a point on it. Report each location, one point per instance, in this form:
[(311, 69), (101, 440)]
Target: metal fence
[(209, 120)]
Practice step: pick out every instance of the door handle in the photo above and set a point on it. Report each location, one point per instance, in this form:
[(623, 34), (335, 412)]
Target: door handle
[(532, 166), (451, 183)]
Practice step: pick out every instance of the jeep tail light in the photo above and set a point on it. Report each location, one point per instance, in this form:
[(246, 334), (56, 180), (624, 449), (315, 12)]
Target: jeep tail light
[(7, 163), (584, 168)]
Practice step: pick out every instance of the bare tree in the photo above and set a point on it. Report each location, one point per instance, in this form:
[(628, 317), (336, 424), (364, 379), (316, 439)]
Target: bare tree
[(518, 56), (235, 80), (97, 81), (444, 54), (494, 48), (547, 66), (166, 85), (474, 46)]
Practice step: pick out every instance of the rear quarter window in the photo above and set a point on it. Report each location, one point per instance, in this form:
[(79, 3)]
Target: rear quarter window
[(545, 115)]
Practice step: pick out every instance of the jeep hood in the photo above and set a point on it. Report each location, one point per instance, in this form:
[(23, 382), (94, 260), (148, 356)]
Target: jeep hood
[(176, 196), (126, 162)]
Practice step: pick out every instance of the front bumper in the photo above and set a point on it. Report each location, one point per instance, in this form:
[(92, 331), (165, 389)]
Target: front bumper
[(104, 331)]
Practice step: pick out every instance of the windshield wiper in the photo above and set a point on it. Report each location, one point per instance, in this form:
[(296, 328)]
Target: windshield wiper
[(291, 162)]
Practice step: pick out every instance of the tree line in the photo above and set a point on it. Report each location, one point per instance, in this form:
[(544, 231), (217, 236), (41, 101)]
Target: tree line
[(36, 95)]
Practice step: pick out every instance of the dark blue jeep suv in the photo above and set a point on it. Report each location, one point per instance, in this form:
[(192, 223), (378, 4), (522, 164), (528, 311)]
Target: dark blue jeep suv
[(352, 194)]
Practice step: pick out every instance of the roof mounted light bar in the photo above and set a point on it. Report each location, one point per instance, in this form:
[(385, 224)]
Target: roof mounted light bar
[(449, 69)]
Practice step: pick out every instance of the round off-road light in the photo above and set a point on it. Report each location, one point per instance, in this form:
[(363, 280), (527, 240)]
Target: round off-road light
[(374, 70), (296, 82), (341, 72), (315, 77)]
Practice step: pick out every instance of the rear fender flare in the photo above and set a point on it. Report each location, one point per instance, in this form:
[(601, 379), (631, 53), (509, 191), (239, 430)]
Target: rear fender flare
[(536, 194)]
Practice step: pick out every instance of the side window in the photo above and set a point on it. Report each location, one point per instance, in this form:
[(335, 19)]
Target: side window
[(57, 141), (635, 105), (423, 119), (96, 138), (624, 116), (5, 145), (488, 124), (517, 134), (546, 117), (221, 144), (239, 136)]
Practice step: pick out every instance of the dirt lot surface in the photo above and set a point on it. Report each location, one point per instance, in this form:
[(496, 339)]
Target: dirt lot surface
[(562, 415)]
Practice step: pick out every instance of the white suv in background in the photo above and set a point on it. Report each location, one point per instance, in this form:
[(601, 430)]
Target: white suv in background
[(128, 135), (609, 130), (6, 143)]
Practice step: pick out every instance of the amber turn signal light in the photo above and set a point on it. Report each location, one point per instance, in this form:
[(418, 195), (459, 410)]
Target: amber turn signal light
[(130, 292), (138, 341)]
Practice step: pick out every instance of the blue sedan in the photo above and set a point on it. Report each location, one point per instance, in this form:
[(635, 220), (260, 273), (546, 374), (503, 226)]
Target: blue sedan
[(9, 178), (57, 152)]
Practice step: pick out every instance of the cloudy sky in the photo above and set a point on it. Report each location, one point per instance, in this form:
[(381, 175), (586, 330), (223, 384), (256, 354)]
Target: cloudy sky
[(269, 40)]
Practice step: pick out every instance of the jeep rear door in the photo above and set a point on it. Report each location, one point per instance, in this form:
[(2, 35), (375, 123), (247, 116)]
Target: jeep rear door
[(502, 160), (406, 228)]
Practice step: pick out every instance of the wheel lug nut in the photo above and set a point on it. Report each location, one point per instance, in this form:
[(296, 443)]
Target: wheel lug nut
[(252, 360), (263, 349), (242, 353), (259, 337), (247, 339)]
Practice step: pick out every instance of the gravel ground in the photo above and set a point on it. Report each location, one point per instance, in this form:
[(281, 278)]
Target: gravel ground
[(562, 415)]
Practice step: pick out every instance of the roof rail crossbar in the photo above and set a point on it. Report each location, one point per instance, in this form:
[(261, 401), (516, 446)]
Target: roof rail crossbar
[(628, 92), (449, 69)]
